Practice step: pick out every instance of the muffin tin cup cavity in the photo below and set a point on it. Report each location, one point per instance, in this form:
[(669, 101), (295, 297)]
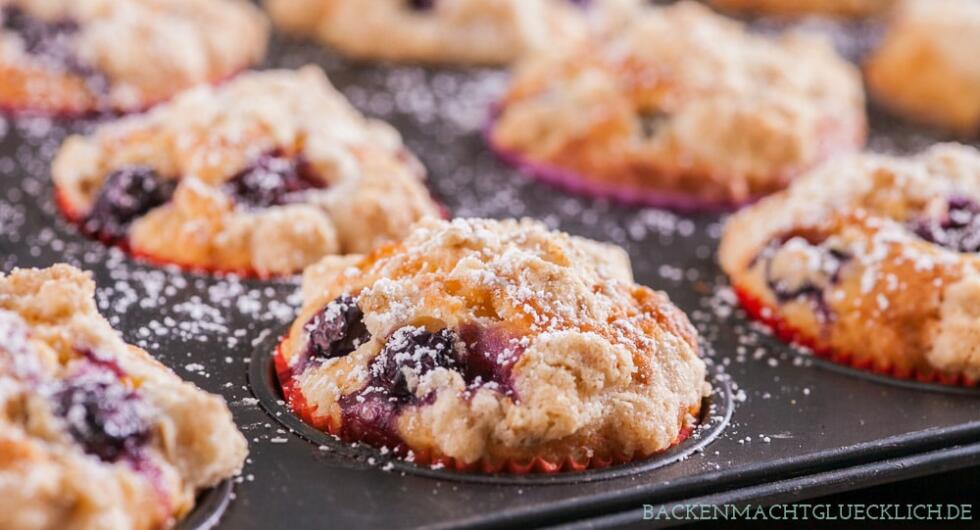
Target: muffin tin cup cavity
[(208, 509), (716, 412)]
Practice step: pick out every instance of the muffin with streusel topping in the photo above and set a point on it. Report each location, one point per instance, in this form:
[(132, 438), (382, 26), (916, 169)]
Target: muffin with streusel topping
[(493, 345), (928, 66), (447, 31), (94, 433), (871, 260), (265, 174), (80, 56), (681, 108)]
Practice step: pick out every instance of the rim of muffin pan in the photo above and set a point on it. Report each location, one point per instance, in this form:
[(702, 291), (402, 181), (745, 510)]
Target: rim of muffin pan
[(715, 415), (209, 507), (868, 374)]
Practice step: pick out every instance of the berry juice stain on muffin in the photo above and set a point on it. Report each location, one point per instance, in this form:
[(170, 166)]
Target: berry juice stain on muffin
[(681, 108), (264, 175), (486, 345), (870, 260)]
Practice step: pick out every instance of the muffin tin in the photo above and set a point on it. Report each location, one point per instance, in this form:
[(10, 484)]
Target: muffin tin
[(780, 425)]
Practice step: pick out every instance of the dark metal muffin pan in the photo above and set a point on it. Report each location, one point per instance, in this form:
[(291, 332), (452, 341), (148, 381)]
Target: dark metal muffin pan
[(208, 509), (798, 429)]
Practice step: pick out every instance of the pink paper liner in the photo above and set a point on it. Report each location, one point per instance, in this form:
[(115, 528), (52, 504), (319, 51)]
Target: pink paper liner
[(579, 184), (298, 404), (768, 315)]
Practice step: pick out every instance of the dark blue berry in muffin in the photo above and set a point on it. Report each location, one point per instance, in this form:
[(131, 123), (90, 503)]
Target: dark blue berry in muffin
[(484, 358), (652, 122), (127, 194), (272, 180), (371, 414), (107, 419), (421, 5), (411, 353), (802, 278), (958, 229), (337, 330), (51, 42)]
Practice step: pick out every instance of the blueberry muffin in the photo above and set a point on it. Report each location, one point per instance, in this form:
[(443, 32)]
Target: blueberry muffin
[(842, 8), (265, 174), (493, 345), (79, 56), (871, 260), (928, 66), (681, 108), (94, 433), (445, 31)]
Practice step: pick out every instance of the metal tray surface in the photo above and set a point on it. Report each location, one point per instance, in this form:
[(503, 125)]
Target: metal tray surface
[(793, 417)]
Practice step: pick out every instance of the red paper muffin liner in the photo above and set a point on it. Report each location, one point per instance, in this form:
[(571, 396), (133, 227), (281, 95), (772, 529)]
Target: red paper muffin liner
[(760, 311), (579, 184), (73, 217), (147, 257), (298, 404)]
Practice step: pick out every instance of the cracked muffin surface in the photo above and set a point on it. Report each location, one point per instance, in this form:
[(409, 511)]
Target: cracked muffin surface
[(94, 433), (79, 56), (927, 68), (446, 31), (492, 343), (681, 106), (265, 174), (870, 259)]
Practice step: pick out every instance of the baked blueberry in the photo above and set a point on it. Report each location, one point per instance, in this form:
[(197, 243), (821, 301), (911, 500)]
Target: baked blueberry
[(409, 354), (421, 5), (273, 180), (958, 229), (102, 415), (48, 39), (338, 329), (128, 193)]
